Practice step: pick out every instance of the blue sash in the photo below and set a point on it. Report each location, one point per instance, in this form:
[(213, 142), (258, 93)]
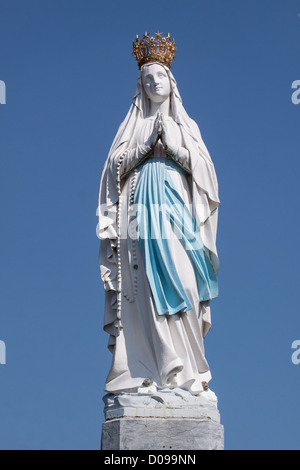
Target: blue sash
[(160, 207)]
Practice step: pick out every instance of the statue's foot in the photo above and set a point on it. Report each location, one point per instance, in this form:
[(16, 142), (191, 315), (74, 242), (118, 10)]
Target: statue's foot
[(148, 387), (205, 386)]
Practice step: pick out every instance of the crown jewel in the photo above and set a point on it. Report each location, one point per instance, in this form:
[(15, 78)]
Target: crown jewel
[(154, 49)]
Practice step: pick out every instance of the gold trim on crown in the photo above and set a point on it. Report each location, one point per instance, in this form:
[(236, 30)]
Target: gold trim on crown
[(154, 49)]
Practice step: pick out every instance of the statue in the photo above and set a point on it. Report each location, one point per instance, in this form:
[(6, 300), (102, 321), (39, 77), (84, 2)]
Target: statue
[(158, 208)]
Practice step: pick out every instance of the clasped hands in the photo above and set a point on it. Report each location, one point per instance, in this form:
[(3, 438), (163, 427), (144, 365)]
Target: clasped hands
[(133, 157), (160, 132)]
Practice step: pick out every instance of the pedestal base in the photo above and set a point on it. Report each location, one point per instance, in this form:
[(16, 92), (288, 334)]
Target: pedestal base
[(162, 434), (162, 420)]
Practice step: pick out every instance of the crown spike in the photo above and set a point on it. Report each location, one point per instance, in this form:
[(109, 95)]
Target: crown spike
[(154, 49)]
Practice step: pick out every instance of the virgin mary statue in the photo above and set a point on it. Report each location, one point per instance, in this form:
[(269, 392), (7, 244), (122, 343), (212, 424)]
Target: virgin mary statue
[(158, 207)]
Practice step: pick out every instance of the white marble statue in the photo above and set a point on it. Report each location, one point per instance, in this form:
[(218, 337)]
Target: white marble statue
[(158, 206)]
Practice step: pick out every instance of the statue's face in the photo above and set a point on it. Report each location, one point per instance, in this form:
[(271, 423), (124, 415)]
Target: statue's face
[(156, 83)]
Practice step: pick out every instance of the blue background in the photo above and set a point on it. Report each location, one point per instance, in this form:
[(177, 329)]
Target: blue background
[(70, 79)]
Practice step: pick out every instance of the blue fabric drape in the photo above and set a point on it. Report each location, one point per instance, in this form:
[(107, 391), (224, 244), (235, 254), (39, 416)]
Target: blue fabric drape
[(160, 209)]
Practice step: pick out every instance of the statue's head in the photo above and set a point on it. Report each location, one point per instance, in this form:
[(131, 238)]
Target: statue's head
[(156, 82)]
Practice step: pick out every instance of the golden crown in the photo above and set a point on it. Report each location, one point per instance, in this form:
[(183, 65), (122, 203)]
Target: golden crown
[(154, 49)]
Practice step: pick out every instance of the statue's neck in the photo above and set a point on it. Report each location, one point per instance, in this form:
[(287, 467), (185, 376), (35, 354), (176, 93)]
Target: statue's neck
[(163, 108)]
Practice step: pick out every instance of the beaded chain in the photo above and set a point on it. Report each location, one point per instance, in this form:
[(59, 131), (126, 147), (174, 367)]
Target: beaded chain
[(134, 242), (119, 276)]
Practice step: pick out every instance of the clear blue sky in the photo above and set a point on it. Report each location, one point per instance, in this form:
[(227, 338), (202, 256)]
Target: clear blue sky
[(70, 79)]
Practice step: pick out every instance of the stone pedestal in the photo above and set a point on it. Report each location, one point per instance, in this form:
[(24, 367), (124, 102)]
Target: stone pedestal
[(164, 420), (162, 434)]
